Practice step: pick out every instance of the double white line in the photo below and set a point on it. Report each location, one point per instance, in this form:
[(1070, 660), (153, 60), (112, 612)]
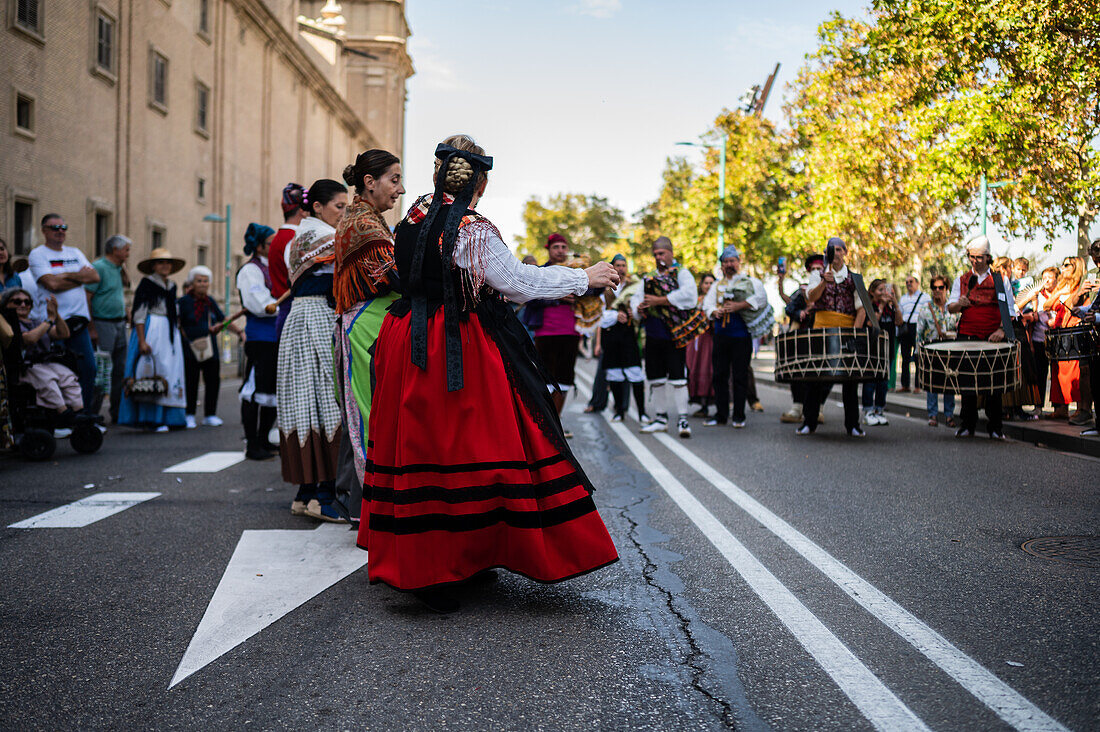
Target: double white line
[(873, 699)]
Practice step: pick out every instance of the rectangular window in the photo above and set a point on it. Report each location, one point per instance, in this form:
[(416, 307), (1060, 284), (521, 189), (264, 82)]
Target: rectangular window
[(202, 189), (105, 42), (158, 80), (202, 108), (24, 227), (204, 16), (24, 113), (200, 256), (102, 231), (156, 237), (29, 15)]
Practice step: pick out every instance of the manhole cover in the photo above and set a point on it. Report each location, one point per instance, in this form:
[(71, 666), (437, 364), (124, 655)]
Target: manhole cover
[(1083, 551)]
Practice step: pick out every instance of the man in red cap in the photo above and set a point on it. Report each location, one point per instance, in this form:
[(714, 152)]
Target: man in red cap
[(278, 256), (554, 325)]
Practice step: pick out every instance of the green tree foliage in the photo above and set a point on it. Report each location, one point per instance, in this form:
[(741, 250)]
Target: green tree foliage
[(1009, 88), (590, 223), (859, 171)]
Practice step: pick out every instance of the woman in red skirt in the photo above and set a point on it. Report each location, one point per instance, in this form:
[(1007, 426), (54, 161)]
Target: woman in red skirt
[(467, 465)]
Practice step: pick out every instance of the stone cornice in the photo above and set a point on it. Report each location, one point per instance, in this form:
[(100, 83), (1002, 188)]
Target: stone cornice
[(287, 46)]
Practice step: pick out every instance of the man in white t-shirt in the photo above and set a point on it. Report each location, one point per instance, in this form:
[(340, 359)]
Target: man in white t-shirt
[(910, 305), (63, 271)]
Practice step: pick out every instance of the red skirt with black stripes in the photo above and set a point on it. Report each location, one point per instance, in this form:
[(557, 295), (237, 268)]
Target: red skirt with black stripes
[(459, 482)]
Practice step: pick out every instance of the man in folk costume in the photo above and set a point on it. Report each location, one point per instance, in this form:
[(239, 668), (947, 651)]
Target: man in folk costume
[(467, 463), (835, 304), (279, 252), (666, 304), (555, 327), (738, 305), (621, 360), (257, 394), (975, 294)]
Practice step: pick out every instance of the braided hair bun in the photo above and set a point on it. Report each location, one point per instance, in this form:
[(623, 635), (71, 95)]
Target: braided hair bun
[(459, 172)]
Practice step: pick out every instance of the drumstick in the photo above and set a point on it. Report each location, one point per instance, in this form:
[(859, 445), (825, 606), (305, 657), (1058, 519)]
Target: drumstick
[(270, 309)]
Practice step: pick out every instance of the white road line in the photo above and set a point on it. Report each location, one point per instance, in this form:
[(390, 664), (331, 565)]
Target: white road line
[(873, 699), (1005, 701), (211, 462), (86, 511)]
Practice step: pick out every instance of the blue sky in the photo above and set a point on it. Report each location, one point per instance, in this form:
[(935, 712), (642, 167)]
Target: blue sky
[(590, 96)]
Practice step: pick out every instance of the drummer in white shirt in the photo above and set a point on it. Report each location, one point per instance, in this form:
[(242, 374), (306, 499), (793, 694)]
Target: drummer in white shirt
[(980, 321)]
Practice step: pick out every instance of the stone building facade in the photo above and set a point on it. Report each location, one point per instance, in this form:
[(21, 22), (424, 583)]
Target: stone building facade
[(141, 117)]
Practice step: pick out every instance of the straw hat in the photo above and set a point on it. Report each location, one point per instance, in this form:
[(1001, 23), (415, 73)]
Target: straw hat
[(145, 266)]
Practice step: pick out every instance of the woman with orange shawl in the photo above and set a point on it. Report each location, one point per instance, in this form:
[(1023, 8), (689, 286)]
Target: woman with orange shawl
[(365, 277), (1065, 376)]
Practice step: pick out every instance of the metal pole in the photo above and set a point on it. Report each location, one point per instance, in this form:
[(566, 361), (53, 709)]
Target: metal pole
[(985, 200), (722, 195), (228, 229)]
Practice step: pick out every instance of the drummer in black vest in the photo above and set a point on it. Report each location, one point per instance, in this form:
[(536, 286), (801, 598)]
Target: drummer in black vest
[(974, 295), (832, 298)]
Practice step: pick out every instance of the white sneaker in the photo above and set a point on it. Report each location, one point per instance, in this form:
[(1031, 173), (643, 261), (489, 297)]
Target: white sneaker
[(881, 419), (684, 427), (212, 421), (656, 425), (794, 414), (617, 418), (161, 428), (870, 419), (190, 420), (61, 433), (645, 419), (737, 424)]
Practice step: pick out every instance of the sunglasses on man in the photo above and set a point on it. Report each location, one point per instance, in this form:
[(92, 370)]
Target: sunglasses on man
[(58, 227), (17, 301)]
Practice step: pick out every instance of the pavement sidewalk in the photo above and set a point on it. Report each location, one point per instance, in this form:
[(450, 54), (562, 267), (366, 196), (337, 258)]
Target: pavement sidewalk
[(1043, 433)]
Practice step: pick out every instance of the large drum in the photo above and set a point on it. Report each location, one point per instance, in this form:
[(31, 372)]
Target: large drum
[(968, 367), (832, 354), (1071, 344)]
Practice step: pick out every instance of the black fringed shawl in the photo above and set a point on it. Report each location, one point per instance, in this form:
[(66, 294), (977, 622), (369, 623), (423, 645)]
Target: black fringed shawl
[(415, 288), (149, 293)]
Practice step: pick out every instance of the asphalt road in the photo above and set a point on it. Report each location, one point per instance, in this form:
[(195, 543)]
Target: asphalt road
[(766, 581)]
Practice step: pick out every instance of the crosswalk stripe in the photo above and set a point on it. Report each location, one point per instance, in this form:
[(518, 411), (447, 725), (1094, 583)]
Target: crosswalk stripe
[(86, 511), (210, 462)]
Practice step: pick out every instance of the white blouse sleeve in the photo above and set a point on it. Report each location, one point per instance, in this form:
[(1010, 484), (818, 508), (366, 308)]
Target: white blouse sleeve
[(480, 249), (686, 296), (710, 301), (254, 293)]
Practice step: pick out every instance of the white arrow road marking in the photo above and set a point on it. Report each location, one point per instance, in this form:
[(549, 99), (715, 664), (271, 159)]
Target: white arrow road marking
[(270, 574), (211, 462), (86, 511)]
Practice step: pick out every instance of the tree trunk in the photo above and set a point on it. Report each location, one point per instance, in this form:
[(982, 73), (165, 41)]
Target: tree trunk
[(1084, 219)]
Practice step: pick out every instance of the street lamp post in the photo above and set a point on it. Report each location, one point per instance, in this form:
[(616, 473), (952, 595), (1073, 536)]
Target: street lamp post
[(721, 185), (986, 187), (227, 220)]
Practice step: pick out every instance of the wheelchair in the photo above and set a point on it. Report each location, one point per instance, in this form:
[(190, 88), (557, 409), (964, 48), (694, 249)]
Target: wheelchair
[(34, 425)]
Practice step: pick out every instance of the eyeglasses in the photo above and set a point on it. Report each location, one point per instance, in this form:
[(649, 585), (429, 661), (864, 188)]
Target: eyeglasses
[(58, 227), (19, 301)]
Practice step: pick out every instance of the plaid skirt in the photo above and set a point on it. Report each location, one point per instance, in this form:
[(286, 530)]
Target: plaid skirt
[(309, 415)]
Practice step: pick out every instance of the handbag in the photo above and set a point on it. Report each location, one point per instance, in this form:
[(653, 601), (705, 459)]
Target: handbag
[(146, 388), (202, 348)]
